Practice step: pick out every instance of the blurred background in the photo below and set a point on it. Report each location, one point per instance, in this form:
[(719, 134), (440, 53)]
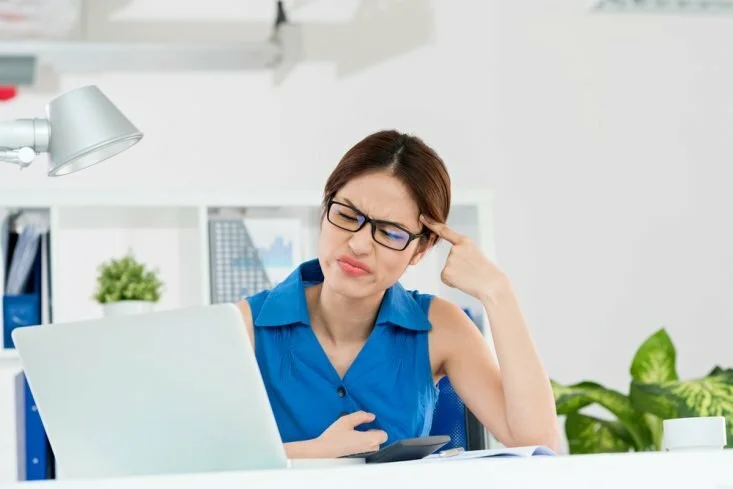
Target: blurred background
[(588, 144)]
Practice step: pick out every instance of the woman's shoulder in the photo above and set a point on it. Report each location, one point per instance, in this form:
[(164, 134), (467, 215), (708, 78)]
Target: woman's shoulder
[(446, 318), (440, 312), (451, 331), (250, 305), (443, 312), (255, 301), (423, 299)]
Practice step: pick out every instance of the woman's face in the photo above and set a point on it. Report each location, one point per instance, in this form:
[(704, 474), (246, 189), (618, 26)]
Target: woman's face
[(353, 263)]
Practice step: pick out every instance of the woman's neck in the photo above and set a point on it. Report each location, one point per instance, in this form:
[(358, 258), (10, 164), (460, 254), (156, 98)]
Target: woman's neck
[(342, 319)]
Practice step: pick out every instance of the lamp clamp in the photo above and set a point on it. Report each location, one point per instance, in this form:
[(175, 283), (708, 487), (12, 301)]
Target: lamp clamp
[(22, 157)]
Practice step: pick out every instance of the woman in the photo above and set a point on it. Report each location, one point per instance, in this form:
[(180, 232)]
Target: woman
[(351, 360)]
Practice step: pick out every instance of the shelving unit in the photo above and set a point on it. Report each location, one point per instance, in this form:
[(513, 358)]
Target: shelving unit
[(8, 355), (164, 237), (169, 231)]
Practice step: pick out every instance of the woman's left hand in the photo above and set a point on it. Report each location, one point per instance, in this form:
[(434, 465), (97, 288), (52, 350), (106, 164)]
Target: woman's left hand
[(467, 269)]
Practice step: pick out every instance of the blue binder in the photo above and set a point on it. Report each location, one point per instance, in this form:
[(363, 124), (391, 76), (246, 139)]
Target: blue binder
[(34, 457), (23, 309), (18, 311)]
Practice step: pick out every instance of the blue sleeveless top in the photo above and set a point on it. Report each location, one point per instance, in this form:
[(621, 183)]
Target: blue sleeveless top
[(390, 377)]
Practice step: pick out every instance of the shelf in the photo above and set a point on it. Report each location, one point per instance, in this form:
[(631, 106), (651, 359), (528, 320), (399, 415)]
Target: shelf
[(8, 355), (95, 56), (168, 239), (188, 197)]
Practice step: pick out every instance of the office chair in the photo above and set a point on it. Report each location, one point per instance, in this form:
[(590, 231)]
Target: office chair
[(451, 417)]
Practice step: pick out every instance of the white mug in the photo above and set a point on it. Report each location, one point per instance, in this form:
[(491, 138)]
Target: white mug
[(698, 433)]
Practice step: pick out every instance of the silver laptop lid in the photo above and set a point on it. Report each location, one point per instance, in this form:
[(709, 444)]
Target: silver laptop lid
[(165, 392)]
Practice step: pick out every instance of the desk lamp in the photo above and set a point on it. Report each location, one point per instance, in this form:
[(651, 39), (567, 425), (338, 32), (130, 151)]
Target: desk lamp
[(83, 128)]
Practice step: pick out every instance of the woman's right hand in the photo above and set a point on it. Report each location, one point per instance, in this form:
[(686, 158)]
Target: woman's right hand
[(342, 438)]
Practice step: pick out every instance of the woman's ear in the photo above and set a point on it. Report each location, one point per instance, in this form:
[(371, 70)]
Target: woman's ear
[(417, 257)]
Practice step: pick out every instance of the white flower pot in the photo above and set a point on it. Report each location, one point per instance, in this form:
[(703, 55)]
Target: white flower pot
[(121, 308)]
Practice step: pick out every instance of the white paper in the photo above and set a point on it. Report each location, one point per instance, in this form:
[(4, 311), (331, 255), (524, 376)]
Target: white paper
[(529, 451)]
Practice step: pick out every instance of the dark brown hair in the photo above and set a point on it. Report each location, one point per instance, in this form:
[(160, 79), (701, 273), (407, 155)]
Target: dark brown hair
[(409, 159)]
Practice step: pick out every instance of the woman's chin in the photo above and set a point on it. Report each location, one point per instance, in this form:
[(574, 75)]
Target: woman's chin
[(352, 287)]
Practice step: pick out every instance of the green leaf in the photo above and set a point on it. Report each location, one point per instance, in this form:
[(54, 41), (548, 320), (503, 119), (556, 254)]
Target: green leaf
[(717, 370), (707, 396), (656, 428), (587, 434), (569, 399), (655, 360)]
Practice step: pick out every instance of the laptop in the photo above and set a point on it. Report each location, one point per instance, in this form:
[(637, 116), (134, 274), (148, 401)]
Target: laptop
[(158, 393)]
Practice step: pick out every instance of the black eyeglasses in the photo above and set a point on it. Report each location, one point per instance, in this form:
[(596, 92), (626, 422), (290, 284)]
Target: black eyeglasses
[(385, 233)]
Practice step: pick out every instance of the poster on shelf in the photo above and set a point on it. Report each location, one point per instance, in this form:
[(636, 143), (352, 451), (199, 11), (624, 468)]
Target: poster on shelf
[(278, 244)]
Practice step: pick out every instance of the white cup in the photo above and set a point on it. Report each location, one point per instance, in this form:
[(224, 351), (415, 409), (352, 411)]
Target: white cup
[(699, 433)]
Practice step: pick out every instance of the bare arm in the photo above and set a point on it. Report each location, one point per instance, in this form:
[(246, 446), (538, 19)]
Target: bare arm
[(528, 396), (512, 398), (248, 322), (303, 449)]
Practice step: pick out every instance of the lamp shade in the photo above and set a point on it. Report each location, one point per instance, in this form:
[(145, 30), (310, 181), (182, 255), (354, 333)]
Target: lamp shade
[(86, 128)]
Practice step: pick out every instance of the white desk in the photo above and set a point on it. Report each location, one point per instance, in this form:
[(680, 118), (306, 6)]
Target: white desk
[(691, 470)]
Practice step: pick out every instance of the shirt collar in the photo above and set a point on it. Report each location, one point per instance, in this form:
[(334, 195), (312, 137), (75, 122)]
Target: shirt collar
[(285, 303)]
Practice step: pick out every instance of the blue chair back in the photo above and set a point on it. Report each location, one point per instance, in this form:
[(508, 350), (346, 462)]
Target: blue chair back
[(452, 418), (449, 417)]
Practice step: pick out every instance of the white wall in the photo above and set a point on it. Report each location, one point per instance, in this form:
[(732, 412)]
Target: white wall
[(613, 183), (240, 131), (605, 139)]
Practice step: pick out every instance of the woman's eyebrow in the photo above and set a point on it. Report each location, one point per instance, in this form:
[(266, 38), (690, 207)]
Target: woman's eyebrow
[(348, 201)]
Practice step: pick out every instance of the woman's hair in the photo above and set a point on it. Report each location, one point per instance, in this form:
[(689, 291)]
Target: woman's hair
[(406, 157)]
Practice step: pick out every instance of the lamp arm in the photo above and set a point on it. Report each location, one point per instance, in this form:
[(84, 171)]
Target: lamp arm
[(22, 139)]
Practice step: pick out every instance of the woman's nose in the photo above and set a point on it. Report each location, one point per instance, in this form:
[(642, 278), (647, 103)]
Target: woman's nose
[(361, 241)]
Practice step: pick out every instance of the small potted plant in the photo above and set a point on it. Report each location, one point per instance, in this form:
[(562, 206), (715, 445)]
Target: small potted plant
[(126, 286)]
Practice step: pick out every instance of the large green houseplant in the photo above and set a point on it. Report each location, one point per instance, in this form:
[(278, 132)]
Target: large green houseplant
[(655, 393)]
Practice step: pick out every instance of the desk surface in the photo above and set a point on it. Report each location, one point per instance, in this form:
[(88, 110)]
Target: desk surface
[(711, 469)]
